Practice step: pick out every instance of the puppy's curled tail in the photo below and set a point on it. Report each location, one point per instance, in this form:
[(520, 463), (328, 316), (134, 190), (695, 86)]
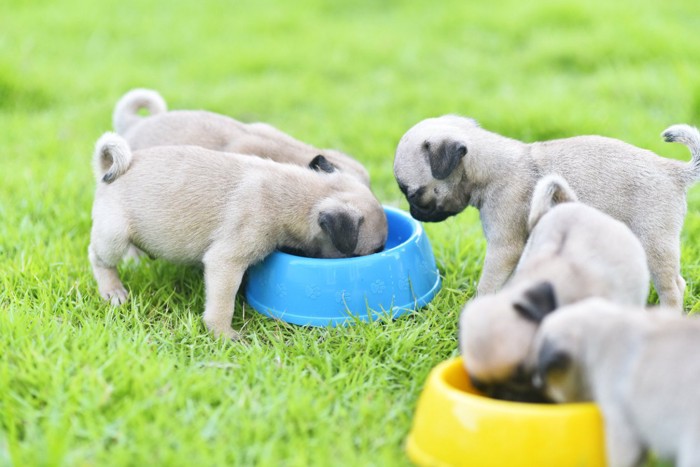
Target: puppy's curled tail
[(690, 136), (111, 158), (550, 191), (126, 111)]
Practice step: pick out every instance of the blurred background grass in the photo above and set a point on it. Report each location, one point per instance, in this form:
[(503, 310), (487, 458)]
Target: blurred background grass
[(81, 384)]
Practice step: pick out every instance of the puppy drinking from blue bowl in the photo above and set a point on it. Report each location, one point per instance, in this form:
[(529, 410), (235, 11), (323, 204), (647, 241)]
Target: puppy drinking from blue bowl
[(225, 211)]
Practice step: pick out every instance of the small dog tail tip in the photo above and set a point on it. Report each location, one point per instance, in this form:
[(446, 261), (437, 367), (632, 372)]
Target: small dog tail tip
[(682, 133), (126, 112), (550, 191), (112, 157), (690, 136)]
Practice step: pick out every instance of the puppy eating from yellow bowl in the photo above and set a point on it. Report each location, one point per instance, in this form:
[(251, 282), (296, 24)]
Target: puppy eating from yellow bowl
[(456, 426)]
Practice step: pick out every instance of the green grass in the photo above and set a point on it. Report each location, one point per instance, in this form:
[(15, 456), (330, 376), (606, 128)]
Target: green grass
[(84, 384)]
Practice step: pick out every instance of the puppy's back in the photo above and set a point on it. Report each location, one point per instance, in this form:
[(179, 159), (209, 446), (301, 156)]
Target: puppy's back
[(592, 252), (184, 127), (173, 197), (640, 361), (666, 375), (221, 133), (616, 177)]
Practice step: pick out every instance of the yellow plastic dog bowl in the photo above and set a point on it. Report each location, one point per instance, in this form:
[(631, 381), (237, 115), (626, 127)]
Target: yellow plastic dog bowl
[(455, 425)]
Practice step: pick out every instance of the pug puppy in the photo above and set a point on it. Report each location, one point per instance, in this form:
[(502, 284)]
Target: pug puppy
[(188, 204), (445, 164), (216, 132), (641, 368), (573, 252)]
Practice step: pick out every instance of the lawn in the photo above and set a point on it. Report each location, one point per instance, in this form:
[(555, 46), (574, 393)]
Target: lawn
[(84, 384)]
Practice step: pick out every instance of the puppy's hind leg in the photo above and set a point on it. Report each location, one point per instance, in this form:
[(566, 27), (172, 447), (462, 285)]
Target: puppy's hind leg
[(109, 241), (222, 278), (664, 266), (104, 267), (680, 283), (108, 282)]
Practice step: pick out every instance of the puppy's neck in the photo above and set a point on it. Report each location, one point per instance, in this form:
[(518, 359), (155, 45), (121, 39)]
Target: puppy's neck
[(495, 157)]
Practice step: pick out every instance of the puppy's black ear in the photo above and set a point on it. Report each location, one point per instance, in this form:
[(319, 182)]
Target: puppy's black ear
[(321, 164), (551, 359), (537, 302), (343, 229), (444, 158)]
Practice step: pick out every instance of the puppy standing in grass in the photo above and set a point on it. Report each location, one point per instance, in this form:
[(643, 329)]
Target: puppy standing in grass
[(217, 132), (191, 205), (642, 368), (445, 164), (573, 252)]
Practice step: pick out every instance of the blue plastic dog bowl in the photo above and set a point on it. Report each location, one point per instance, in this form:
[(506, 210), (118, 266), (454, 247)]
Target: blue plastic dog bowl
[(331, 292)]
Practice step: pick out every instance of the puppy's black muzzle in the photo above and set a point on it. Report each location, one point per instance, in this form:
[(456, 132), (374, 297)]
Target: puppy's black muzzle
[(422, 211), (430, 214)]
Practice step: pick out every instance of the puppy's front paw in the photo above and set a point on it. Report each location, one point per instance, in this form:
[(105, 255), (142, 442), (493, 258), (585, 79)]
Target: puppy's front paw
[(222, 330), (116, 296), (226, 332)]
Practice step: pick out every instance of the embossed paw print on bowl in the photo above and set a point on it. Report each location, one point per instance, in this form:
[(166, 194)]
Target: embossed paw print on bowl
[(331, 292)]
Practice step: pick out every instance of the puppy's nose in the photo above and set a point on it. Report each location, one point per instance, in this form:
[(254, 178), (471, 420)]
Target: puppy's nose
[(414, 198)]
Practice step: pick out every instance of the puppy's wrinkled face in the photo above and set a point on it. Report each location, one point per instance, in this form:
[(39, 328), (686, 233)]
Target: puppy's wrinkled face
[(349, 222), (429, 170), (557, 356), (556, 373), (494, 339), (351, 225), (496, 333)]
